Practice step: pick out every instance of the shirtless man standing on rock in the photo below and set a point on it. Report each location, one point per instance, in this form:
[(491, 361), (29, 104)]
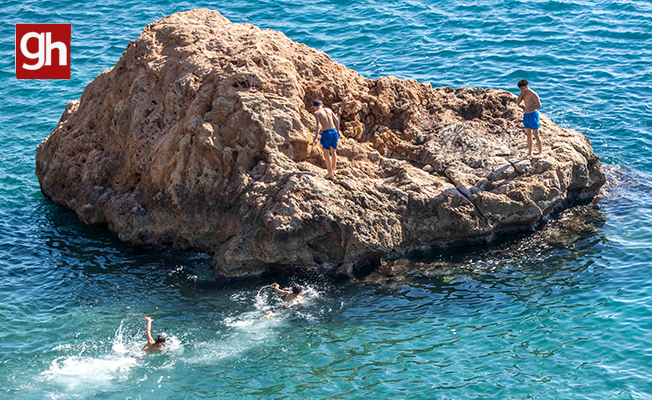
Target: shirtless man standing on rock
[(530, 114), (329, 126)]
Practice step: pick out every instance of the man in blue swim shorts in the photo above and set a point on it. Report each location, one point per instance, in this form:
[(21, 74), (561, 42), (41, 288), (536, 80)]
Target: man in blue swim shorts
[(530, 114), (328, 125)]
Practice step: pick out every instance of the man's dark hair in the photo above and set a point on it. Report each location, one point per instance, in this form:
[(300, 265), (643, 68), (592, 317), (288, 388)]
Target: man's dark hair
[(296, 289), (159, 339), (522, 82), (317, 103)]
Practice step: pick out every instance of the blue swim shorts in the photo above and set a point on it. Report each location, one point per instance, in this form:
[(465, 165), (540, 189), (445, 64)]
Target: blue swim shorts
[(531, 120), (329, 139)]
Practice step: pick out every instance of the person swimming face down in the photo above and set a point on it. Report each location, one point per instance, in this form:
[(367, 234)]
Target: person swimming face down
[(290, 297)]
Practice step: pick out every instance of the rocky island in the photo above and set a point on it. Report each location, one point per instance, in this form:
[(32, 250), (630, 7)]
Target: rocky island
[(200, 137)]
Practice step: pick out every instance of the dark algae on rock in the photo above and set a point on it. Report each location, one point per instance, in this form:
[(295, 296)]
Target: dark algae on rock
[(200, 137)]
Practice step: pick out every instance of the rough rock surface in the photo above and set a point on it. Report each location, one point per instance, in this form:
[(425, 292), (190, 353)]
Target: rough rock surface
[(201, 137), (567, 233)]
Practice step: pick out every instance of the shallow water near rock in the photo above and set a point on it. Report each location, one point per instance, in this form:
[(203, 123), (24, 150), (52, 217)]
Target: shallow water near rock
[(552, 314)]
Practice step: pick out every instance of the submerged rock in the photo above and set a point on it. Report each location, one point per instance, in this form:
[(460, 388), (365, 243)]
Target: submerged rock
[(200, 137), (567, 231)]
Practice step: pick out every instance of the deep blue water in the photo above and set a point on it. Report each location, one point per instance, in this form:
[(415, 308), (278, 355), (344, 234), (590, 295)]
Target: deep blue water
[(526, 318)]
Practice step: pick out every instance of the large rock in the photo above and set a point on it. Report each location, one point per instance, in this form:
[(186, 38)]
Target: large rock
[(201, 137)]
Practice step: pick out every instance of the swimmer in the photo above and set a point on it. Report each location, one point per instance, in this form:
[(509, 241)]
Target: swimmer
[(530, 115), (153, 344), (290, 297), (328, 125)]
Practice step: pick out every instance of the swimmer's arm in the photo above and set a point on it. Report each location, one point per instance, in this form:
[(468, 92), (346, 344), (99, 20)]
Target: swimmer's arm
[(519, 100), (148, 330), (284, 292), (314, 141), (278, 290)]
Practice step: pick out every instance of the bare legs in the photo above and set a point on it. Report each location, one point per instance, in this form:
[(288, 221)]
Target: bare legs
[(269, 315), (330, 165), (529, 133)]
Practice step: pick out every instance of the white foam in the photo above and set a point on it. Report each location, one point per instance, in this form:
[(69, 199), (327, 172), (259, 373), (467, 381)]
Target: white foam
[(172, 344), (74, 372), (78, 371), (247, 334), (247, 331), (62, 347)]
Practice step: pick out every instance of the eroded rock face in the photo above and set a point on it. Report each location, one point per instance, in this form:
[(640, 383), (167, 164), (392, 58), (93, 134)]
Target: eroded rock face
[(200, 137), (569, 232)]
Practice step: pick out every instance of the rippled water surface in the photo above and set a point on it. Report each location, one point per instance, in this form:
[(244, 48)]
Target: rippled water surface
[(562, 313)]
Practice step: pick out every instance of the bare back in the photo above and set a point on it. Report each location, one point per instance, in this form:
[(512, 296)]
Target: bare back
[(289, 298), (325, 119), (151, 347)]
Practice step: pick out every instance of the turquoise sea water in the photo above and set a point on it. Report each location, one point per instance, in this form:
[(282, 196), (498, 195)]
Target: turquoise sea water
[(524, 318)]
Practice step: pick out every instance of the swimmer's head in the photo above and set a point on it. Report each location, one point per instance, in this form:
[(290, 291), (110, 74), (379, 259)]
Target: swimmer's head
[(296, 289), (317, 103), (523, 83), (160, 340)]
